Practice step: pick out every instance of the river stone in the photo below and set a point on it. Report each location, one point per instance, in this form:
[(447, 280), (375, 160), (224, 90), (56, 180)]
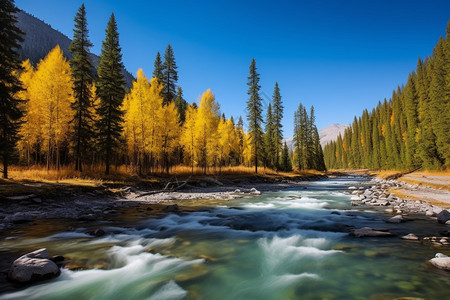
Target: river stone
[(410, 236), (21, 217), (443, 216), (34, 266), (370, 232), (255, 191), (355, 198), (352, 188), (441, 261), (397, 219), (171, 208)]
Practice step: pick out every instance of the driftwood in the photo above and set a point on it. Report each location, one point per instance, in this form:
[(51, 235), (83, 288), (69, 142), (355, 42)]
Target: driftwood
[(178, 185)]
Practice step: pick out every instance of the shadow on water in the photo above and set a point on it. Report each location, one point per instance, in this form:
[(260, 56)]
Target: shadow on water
[(288, 244)]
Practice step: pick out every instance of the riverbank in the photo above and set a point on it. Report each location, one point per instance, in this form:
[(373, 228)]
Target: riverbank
[(26, 201)]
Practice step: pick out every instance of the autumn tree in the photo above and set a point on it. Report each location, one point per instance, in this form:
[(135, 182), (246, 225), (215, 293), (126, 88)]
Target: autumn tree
[(111, 91), (10, 107), (254, 114), (82, 79), (188, 141), (53, 88)]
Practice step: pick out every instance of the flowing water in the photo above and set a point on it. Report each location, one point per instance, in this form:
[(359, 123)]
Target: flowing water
[(291, 244)]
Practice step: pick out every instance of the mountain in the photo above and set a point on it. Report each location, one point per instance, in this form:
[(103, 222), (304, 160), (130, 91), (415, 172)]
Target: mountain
[(326, 135), (330, 133), (40, 38)]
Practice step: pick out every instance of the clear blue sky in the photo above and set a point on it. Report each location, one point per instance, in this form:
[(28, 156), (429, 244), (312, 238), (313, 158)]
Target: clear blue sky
[(340, 56)]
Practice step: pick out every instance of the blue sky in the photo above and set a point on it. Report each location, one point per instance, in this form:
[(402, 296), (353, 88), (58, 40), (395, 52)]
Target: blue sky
[(340, 56)]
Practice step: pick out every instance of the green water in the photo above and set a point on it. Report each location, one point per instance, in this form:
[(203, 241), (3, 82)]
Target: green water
[(291, 244)]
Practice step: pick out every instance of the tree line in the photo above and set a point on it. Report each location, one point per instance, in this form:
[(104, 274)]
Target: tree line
[(411, 130), (62, 112)]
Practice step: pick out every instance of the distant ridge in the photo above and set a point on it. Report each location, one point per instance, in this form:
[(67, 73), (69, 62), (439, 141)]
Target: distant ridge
[(330, 133), (40, 38), (326, 135)]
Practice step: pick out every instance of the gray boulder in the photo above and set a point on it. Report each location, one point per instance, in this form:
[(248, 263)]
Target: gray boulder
[(370, 232), (34, 266), (411, 237), (443, 216), (441, 261), (397, 219)]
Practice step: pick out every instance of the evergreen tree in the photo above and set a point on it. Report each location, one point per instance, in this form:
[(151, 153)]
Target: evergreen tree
[(269, 137), (82, 79), (111, 91), (169, 75), (158, 67), (10, 108), (181, 105), (286, 164), (278, 127), (254, 111)]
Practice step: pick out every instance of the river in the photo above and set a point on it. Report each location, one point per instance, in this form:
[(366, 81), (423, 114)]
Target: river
[(290, 244)]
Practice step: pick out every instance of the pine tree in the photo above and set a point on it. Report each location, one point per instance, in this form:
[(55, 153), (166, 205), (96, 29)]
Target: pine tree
[(278, 127), (169, 75), (181, 105), (10, 110), (111, 91), (158, 67), (286, 164), (269, 138), (254, 111), (82, 78)]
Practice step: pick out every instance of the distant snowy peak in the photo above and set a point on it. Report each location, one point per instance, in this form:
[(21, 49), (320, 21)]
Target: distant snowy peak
[(326, 135), (331, 133)]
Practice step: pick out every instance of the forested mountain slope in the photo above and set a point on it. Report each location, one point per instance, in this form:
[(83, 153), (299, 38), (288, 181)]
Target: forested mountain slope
[(411, 130), (40, 38)]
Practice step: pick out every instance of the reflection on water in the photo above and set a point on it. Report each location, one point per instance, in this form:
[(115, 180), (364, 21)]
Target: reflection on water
[(290, 244)]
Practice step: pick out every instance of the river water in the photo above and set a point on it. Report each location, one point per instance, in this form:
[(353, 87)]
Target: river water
[(291, 244)]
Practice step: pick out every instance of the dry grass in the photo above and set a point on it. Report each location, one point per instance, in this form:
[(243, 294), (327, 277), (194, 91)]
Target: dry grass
[(94, 176)]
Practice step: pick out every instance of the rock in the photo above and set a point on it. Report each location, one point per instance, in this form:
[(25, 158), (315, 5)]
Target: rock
[(237, 191), (429, 213), (97, 232), (355, 198), (37, 200), (441, 261), (255, 191), (447, 223), (149, 208), (171, 208), (352, 188), (397, 219), (411, 237), (34, 266), (443, 216), (335, 213), (21, 217), (369, 232)]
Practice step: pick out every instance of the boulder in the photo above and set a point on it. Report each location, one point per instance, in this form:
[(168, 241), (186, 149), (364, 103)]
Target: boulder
[(370, 232), (255, 191), (171, 208), (411, 237), (397, 219), (34, 266), (441, 261), (352, 188), (443, 216), (22, 217)]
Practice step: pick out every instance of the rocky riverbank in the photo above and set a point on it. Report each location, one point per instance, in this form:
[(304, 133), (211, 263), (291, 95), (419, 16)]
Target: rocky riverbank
[(105, 202)]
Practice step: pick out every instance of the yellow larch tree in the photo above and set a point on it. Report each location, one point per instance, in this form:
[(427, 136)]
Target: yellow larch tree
[(30, 128), (169, 133), (206, 129), (187, 140), (225, 141), (52, 87), (155, 126), (137, 109), (248, 151)]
